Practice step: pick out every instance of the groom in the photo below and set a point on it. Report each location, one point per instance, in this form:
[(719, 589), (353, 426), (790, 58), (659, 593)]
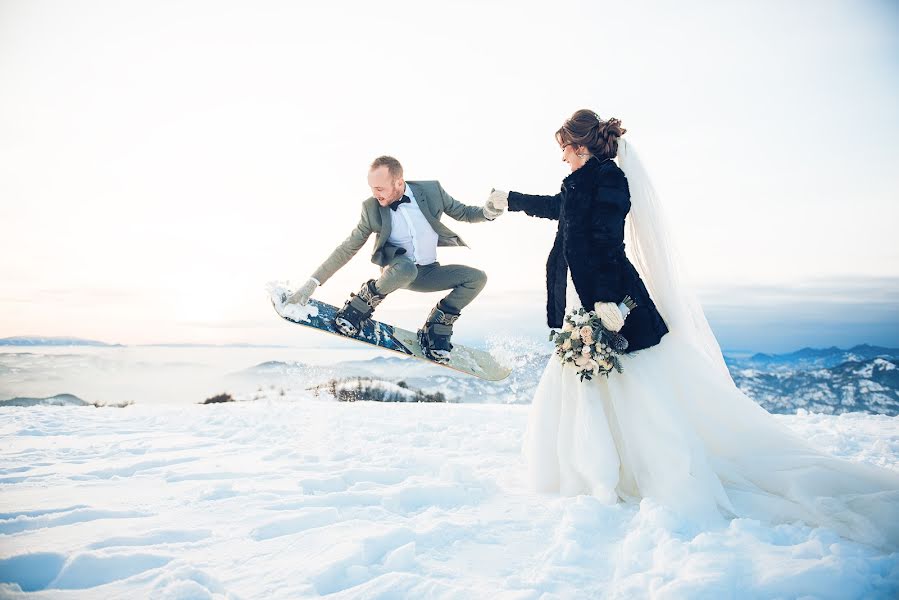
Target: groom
[(406, 218)]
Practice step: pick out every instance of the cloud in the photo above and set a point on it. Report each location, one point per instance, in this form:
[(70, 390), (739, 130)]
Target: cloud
[(834, 290)]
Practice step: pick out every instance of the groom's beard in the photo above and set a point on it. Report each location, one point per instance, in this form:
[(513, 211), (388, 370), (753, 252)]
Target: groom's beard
[(394, 197)]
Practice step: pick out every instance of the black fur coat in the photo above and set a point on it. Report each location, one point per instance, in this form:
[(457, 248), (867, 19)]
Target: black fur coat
[(590, 242)]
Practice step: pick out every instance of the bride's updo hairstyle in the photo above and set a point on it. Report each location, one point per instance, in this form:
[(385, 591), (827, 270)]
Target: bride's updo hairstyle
[(585, 128)]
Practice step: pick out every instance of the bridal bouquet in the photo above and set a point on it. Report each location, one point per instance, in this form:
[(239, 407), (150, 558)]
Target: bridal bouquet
[(586, 343)]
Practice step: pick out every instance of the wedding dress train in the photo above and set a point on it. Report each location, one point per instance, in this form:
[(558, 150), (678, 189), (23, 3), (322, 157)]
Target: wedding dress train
[(661, 429)]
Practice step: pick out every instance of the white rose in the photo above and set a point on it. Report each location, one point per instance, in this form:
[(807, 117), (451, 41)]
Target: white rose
[(575, 334), (587, 334), (566, 345), (567, 326), (585, 350)]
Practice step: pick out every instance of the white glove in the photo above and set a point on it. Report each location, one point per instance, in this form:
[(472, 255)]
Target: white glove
[(302, 295), (610, 315), (496, 204)]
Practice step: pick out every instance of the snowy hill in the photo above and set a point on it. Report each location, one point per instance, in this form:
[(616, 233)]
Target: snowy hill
[(355, 389), (397, 367), (515, 389), (57, 400), (813, 380), (832, 380), (307, 498), (293, 369)]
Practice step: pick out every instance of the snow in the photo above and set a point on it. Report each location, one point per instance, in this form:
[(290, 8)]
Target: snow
[(302, 497), (277, 290), (878, 364), (390, 391), (884, 365), (866, 371)]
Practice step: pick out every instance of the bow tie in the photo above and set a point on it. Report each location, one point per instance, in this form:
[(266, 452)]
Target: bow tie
[(396, 205)]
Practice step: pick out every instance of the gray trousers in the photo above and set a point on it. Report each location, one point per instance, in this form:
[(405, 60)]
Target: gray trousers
[(465, 282)]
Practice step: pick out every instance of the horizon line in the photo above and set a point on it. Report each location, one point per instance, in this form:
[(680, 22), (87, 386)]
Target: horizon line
[(81, 342)]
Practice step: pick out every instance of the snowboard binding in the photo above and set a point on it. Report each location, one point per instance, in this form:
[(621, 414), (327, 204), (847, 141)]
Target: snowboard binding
[(350, 319), (434, 336)]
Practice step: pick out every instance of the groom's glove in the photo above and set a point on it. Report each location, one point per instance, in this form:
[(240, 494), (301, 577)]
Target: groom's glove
[(611, 315), (496, 204), (302, 295)]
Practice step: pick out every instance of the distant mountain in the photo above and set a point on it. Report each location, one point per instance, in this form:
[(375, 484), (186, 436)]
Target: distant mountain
[(824, 380), (396, 366), (276, 372), (812, 358), (51, 341), (870, 385), (57, 400)]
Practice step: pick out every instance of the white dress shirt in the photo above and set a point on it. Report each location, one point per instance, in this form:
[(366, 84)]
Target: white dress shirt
[(410, 230)]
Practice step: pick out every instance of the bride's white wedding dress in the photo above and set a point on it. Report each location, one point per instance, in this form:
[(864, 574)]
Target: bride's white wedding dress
[(675, 428)]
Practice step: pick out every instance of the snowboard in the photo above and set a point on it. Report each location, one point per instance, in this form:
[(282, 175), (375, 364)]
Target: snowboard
[(320, 315)]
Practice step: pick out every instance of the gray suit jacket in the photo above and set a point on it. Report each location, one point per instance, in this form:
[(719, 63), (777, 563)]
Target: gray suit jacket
[(433, 201)]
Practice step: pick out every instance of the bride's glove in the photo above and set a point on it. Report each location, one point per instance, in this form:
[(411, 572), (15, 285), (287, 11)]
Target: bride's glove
[(302, 295), (611, 315), (496, 204)]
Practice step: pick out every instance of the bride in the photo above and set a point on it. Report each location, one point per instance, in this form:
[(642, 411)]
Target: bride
[(672, 426)]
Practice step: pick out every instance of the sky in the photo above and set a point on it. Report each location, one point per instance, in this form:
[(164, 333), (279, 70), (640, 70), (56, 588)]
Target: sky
[(161, 161)]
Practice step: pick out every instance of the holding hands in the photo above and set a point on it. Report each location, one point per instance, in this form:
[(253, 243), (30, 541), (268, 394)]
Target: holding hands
[(497, 203)]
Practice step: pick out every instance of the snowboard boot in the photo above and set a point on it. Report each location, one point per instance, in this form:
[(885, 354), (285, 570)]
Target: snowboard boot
[(434, 336), (358, 309)]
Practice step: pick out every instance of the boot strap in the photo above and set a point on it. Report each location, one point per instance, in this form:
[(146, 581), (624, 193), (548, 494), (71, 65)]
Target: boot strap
[(441, 329), (360, 305)]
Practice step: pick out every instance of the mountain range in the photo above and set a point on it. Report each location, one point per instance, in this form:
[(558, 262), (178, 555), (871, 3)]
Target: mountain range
[(829, 380), (863, 378)]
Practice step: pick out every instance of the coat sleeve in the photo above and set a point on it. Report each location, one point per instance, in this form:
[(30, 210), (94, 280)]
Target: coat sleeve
[(346, 250), (594, 230), (546, 207), (459, 211)]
